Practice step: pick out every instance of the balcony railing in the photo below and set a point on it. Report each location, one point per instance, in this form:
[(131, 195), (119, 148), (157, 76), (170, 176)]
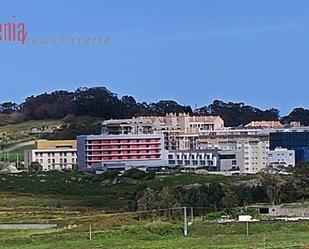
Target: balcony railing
[(128, 159), (126, 154), (123, 143), (114, 149)]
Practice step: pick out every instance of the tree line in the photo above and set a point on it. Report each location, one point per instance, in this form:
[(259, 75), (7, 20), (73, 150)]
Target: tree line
[(102, 103), (273, 189)]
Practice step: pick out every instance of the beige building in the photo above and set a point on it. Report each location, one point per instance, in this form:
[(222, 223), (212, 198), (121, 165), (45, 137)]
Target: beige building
[(180, 131), (53, 155), (264, 124), (253, 144)]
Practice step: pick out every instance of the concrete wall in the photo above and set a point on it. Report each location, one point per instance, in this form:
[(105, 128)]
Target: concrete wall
[(289, 211)]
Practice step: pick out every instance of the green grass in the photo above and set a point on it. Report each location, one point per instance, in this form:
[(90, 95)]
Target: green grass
[(80, 186), (14, 133), (16, 153), (138, 235), (72, 198), (14, 128), (4, 119)]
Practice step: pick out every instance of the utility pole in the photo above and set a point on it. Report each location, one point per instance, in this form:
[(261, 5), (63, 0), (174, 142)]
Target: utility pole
[(185, 225), (90, 233), (192, 215), (247, 228)]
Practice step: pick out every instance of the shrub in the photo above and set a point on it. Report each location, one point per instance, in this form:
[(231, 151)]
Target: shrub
[(162, 228), (135, 174), (107, 175)]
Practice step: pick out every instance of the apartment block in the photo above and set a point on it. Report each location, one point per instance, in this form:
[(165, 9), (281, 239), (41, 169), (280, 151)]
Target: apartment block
[(180, 131), (192, 160), (252, 144), (210, 160), (120, 151), (52, 155), (281, 157), (296, 139)]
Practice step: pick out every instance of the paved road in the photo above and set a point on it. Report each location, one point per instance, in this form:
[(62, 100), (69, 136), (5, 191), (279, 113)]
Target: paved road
[(27, 226), (17, 146)]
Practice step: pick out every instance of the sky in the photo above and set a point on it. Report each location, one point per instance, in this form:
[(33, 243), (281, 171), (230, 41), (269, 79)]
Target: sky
[(254, 51)]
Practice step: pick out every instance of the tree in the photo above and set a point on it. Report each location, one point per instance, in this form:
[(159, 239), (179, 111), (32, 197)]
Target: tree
[(274, 184), (298, 114), (9, 107), (229, 198), (147, 201), (236, 114), (168, 106), (53, 105), (167, 200), (215, 194), (98, 102)]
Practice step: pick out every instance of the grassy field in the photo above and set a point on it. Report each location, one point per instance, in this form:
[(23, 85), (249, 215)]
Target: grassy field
[(74, 201), (86, 190), (16, 153), (13, 133), (159, 234), (15, 128)]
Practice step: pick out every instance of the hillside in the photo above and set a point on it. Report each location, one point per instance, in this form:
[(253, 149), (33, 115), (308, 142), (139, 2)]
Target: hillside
[(15, 133), (102, 103), (76, 201)]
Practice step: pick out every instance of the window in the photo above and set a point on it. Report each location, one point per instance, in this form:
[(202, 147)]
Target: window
[(230, 156)]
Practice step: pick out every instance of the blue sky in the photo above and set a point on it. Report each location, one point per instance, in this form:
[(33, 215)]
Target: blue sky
[(192, 51)]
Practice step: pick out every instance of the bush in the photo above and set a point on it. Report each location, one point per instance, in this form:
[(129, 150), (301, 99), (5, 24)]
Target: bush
[(35, 167), (214, 216), (135, 174), (70, 118), (150, 176), (162, 228), (107, 175)]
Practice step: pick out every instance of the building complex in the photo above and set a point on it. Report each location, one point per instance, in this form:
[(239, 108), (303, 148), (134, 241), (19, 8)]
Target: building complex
[(120, 151), (52, 155), (183, 142)]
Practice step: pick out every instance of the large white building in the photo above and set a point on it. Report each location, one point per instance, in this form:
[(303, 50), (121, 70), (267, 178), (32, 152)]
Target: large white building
[(191, 160), (210, 160), (281, 157), (52, 155), (252, 144)]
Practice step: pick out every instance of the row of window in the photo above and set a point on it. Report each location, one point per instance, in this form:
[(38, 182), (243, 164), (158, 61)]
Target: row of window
[(62, 166), (54, 154), (123, 157), (124, 141), (194, 162), (61, 160), (278, 154), (184, 157), (124, 152)]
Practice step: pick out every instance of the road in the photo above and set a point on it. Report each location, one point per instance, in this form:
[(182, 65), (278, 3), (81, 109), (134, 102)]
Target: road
[(17, 146)]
